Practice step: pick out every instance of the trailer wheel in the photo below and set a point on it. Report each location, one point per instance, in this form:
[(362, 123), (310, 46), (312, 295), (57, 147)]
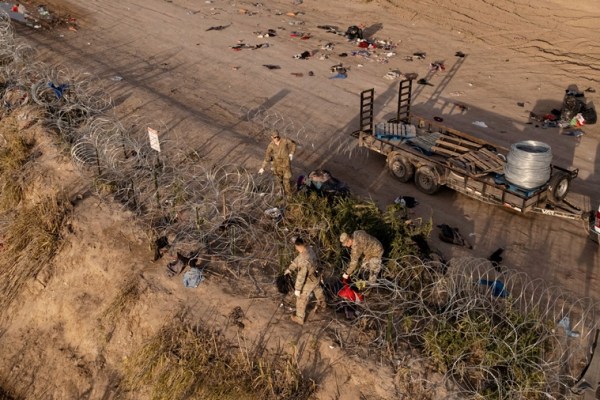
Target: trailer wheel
[(558, 187), (401, 168), (426, 180)]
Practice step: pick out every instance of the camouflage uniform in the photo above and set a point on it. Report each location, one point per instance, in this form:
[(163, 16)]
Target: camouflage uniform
[(307, 281), (279, 155), (371, 251)]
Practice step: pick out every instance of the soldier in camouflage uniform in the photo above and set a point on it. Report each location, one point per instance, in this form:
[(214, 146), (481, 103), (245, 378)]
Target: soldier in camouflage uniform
[(307, 281), (280, 153), (365, 246)]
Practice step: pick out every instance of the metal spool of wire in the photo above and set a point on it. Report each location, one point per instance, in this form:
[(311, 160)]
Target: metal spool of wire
[(528, 164)]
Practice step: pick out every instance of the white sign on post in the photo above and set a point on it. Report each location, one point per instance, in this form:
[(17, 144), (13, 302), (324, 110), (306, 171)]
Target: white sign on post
[(153, 136)]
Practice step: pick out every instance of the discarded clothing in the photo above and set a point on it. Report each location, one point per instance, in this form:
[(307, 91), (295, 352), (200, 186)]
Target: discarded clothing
[(284, 283), (271, 66), (218, 28), (174, 268), (354, 32), (193, 278), (451, 235), (58, 90), (498, 289), (565, 322), (575, 133), (406, 201), (496, 258), (303, 56)]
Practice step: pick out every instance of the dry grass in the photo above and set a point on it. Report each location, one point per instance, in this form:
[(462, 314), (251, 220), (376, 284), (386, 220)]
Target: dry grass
[(128, 295), (15, 150), (195, 362), (31, 239)]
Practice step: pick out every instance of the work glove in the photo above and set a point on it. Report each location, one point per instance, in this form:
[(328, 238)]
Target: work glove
[(297, 293), (287, 272), (345, 276), (261, 171), (291, 157)]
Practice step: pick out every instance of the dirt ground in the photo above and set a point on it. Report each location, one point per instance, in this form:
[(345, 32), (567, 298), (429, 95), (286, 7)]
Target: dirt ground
[(191, 82)]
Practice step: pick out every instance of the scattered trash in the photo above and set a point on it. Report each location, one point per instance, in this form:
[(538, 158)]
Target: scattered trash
[(175, 267), (340, 72), (271, 66), (424, 81), (460, 54), (590, 90), (116, 78), (193, 277), (577, 120), (323, 57), (310, 73), (269, 33), (565, 322), (480, 124), (42, 11), (461, 107), (520, 104), (392, 75), (438, 119), (328, 47), (343, 55), (498, 289), (331, 29), (297, 2), (577, 133), (406, 201), (297, 74), (274, 213), (420, 55), (437, 66), (218, 27), (296, 22), (305, 55), (241, 46)]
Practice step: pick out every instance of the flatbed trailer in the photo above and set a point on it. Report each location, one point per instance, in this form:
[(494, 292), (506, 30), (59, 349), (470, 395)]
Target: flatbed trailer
[(433, 155)]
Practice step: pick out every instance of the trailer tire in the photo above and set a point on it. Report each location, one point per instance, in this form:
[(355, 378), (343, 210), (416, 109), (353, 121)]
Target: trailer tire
[(401, 168), (426, 180), (558, 187)]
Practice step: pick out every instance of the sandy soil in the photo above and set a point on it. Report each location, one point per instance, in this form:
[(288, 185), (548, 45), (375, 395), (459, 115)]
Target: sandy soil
[(191, 82)]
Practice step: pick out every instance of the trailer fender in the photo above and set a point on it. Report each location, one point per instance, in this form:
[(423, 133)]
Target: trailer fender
[(400, 167), (558, 187), (427, 180)]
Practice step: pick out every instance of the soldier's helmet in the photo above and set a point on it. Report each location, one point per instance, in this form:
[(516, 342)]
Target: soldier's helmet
[(275, 134)]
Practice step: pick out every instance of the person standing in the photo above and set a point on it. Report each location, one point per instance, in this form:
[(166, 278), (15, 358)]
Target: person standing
[(307, 281), (366, 247), (280, 153)]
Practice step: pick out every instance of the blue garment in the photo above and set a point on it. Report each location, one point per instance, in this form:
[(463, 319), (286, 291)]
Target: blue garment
[(193, 277), (498, 289), (58, 90)]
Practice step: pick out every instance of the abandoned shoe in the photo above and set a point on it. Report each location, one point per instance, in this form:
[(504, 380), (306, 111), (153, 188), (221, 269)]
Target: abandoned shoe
[(298, 320)]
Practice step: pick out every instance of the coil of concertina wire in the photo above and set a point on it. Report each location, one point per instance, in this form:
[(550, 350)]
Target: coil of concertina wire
[(528, 164)]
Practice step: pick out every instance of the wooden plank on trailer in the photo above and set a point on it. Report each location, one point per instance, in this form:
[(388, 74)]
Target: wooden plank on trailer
[(462, 142), (444, 151), (477, 161), (451, 146)]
